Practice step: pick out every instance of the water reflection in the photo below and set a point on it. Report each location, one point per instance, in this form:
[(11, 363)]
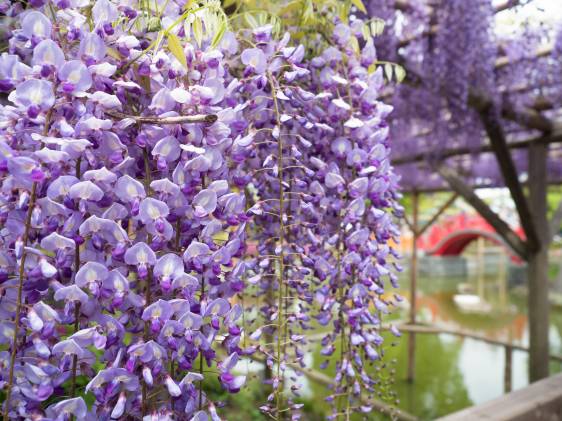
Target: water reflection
[(451, 372)]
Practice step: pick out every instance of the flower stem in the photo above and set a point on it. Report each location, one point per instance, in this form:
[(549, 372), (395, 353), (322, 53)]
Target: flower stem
[(19, 303), (281, 260), (77, 305), (147, 292), (201, 353)]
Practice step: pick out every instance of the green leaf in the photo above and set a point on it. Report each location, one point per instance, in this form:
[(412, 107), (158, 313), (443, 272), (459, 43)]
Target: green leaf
[(198, 31), (400, 73), (355, 44), (174, 45), (360, 6), (388, 70), (251, 20), (219, 34), (377, 26)]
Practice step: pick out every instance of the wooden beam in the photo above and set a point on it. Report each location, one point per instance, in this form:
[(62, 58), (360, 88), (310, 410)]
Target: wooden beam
[(437, 214), (436, 330), (525, 117), (542, 51), (403, 6), (490, 119), (528, 118), (468, 194), (407, 221), (467, 150), (537, 402)]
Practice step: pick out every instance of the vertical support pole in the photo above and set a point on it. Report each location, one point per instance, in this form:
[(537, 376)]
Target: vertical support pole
[(480, 270), (413, 287), (507, 369), (502, 282), (537, 282)]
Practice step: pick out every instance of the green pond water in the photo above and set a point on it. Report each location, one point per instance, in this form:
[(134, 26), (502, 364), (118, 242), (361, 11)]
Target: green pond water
[(452, 373)]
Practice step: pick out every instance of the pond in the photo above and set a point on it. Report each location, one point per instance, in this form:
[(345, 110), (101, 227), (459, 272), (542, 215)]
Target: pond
[(453, 373)]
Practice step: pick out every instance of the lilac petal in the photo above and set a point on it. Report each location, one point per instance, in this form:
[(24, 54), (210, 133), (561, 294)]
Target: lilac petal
[(170, 265), (36, 24), (89, 337), (104, 11), (50, 156), (106, 100), (100, 175), (185, 280), (220, 187), (165, 186), (173, 388), (159, 310), (147, 376), (71, 293), (151, 209), (34, 92), (85, 190), (116, 212), (255, 59), (129, 189), (218, 307), (116, 282), (334, 180), (48, 52), (89, 273), (358, 187), (92, 46), (68, 347), (200, 416), (140, 253), (168, 148), (189, 378), (45, 312), (73, 406), (205, 202), (341, 146), (61, 186), (119, 408), (55, 241), (230, 362), (75, 73), (196, 249), (47, 270), (191, 321)]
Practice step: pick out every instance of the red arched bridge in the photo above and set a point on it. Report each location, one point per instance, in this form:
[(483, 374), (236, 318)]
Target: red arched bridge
[(454, 234)]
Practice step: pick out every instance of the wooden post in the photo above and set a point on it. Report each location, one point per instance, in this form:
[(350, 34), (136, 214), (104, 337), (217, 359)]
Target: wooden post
[(413, 287), (537, 282), (507, 369), (480, 271)]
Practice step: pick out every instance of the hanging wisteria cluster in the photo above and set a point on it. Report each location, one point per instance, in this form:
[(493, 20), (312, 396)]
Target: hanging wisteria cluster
[(146, 153), (459, 55)]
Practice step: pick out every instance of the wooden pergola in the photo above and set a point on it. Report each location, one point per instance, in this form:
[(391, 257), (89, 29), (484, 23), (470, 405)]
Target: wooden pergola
[(530, 198)]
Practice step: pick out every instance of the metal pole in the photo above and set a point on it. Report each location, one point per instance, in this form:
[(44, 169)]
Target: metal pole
[(413, 287)]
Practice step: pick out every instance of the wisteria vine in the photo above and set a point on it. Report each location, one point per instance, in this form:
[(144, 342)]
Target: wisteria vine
[(160, 176)]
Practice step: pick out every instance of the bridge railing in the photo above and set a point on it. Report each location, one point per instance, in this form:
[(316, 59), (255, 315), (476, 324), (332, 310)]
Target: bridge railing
[(540, 401)]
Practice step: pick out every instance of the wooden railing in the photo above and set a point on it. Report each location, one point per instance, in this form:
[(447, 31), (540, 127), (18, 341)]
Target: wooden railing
[(540, 401)]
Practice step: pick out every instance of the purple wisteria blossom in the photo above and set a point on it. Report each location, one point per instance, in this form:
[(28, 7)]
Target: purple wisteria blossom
[(152, 177)]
